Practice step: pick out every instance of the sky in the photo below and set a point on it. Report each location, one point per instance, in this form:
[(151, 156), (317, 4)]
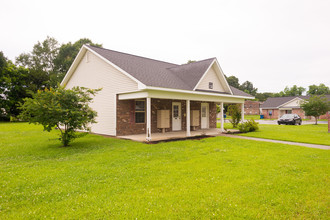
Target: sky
[(272, 44)]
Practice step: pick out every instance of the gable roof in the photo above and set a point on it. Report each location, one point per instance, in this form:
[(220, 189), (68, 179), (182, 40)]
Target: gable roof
[(276, 102), (161, 74), (155, 73), (239, 92)]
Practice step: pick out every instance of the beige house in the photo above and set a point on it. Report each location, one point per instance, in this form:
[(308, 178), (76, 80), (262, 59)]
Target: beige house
[(145, 96), (275, 107)]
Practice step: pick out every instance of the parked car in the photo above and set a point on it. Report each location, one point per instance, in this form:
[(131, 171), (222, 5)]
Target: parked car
[(290, 119)]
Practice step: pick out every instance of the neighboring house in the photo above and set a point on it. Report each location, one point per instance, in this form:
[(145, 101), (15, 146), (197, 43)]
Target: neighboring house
[(141, 95), (277, 106), (252, 107)]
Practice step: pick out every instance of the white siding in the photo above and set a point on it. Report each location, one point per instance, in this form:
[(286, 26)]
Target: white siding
[(211, 76), (293, 103), (95, 73)]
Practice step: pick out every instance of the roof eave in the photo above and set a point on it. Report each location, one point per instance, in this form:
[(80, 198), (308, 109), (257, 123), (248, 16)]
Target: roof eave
[(196, 92)]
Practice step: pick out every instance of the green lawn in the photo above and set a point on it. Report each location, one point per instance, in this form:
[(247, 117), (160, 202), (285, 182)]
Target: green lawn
[(102, 178), (255, 117), (314, 134)]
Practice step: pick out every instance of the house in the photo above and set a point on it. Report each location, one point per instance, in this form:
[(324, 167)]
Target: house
[(275, 107), (252, 107), (144, 96)]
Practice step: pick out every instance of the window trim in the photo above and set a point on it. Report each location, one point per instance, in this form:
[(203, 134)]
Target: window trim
[(139, 111)]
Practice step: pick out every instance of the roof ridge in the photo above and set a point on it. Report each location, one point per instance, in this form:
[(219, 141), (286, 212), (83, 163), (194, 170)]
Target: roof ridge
[(191, 63), (133, 55), (296, 96)]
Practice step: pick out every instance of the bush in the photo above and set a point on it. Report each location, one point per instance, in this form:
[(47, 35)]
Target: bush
[(248, 126), (65, 109), (235, 113)]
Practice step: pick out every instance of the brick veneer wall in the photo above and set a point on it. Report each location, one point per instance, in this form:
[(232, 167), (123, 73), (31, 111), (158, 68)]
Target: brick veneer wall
[(275, 114), (126, 123), (251, 107), (297, 111), (125, 119)]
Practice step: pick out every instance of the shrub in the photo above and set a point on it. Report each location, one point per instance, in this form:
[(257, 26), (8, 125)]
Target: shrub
[(248, 126), (65, 109), (235, 113)]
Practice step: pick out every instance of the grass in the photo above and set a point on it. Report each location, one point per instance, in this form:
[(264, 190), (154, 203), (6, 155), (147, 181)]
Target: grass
[(98, 178), (249, 117), (314, 134), (255, 117)]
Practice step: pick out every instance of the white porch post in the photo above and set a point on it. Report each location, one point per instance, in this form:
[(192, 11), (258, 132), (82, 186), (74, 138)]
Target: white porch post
[(148, 138), (242, 111), (221, 117), (188, 117)]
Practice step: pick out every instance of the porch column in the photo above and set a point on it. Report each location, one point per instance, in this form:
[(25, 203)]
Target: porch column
[(148, 138), (188, 117), (242, 111), (221, 117)]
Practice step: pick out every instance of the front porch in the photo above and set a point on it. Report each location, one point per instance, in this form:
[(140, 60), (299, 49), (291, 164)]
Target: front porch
[(173, 135), (155, 116)]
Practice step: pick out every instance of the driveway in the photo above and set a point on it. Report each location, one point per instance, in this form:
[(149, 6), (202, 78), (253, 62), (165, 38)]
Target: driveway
[(274, 122)]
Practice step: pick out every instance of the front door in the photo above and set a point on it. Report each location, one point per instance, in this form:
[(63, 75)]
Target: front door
[(204, 115), (176, 116)]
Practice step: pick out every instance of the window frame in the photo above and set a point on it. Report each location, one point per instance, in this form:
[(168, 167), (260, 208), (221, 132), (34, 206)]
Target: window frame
[(139, 111)]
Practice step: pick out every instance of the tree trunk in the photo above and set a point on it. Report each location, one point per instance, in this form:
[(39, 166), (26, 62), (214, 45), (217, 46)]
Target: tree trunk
[(316, 120)]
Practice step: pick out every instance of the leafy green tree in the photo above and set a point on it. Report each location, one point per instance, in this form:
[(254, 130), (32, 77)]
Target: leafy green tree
[(14, 86), (318, 90), (264, 96), (41, 62), (235, 113), (233, 81), (191, 61), (316, 106), (293, 91), (247, 87), (65, 109), (66, 55)]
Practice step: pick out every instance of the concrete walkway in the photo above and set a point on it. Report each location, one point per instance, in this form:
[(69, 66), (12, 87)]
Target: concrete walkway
[(324, 147)]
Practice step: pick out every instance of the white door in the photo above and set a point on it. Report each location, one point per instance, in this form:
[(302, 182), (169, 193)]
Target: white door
[(176, 116), (204, 115)]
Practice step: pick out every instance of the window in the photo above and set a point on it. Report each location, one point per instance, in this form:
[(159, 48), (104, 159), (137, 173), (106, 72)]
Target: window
[(210, 85), (203, 111), (175, 111), (140, 111)]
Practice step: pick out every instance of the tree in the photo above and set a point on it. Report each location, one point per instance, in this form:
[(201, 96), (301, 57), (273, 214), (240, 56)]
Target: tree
[(316, 106), (233, 81), (66, 55), (263, 96), (41, 61), (247, 87), (14, 86), (65, 109), (318, 90), (191, 61), (235, 113), (293, 91)]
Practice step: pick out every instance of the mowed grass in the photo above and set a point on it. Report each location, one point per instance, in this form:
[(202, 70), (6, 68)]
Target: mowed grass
[(314, 134), (107, 178), (254, 117)]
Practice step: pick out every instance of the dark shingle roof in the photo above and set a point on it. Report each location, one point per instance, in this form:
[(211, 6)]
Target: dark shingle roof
[(158, 73), (275, 102), (239, 92)]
